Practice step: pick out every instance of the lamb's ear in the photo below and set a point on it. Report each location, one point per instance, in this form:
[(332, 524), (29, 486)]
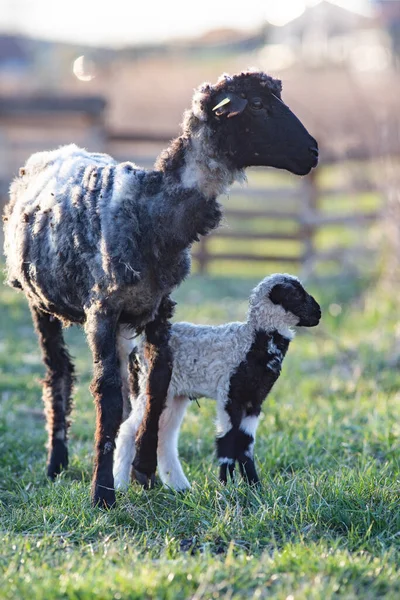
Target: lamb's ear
[(229, 105), (278, 294)]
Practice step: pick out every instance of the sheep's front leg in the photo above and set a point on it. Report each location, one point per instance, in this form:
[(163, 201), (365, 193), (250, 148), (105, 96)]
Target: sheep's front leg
[(159, 359), (171, 471), (244, 448), (101, 329), (57, 388)]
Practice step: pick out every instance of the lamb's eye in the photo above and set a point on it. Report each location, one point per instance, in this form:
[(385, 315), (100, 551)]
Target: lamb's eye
[(256, 103)]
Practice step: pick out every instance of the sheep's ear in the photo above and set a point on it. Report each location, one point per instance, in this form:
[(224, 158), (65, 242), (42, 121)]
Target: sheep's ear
[(229, 105)]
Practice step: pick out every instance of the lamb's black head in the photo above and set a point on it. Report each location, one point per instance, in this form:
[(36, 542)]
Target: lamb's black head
[(254, 127), (281, 300), (291, 295)]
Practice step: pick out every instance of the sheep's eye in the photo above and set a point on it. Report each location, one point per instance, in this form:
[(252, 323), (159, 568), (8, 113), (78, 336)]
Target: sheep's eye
[(256, 103)]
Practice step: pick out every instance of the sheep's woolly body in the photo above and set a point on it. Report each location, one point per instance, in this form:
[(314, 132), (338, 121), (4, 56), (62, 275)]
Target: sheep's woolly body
[(115, 216)]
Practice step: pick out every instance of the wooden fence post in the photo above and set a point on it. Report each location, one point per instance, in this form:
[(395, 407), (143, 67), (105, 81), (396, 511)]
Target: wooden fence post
[(308, 220)]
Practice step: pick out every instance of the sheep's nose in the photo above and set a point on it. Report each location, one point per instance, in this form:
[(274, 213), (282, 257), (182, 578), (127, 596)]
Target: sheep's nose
[(314, 155), (314, 151)]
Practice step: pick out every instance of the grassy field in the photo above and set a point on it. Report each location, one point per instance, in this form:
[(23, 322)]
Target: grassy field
[(324, 524)]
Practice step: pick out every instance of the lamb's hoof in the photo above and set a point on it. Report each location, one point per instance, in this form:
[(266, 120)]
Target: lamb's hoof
[(103, 497), (58, 459), (146, 481), (121, 484)]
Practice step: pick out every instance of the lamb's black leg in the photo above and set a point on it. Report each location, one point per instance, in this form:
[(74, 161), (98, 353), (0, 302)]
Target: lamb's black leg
[(226, 455), (101, 329), (244, 448), (159, 358), (57, 388)]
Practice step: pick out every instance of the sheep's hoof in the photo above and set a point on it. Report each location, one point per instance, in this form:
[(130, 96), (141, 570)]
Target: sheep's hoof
[(58, 459), (146, 481), (103, 497)]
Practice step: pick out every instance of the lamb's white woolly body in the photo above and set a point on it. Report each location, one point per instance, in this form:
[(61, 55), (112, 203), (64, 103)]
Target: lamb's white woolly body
[(195, 347), (204, 360)]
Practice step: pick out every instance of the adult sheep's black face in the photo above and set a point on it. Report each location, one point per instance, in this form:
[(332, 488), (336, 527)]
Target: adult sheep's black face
[(293, 298), (256, 128)]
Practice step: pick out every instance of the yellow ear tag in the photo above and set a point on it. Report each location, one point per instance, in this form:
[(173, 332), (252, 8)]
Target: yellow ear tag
[(222, 103)]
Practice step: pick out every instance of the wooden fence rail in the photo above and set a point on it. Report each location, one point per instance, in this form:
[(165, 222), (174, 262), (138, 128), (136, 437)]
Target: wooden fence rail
[(306, 224)]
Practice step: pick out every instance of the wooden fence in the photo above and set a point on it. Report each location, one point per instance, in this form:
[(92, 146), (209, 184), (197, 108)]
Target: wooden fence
[(263, 222), (302, 225)]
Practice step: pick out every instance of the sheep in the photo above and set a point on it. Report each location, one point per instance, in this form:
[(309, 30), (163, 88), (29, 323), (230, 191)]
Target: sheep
[(235, 364), (99, 243)]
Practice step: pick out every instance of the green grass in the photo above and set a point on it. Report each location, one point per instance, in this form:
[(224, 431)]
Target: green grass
[(324, 524)]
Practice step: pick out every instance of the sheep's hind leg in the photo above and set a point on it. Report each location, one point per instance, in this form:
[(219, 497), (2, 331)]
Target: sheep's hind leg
[(57, 388), (159, 358), (244, 445), (101, 329)]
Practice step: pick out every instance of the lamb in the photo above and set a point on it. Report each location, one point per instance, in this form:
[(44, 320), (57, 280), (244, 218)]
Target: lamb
[(94, 242), (236, 364)]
